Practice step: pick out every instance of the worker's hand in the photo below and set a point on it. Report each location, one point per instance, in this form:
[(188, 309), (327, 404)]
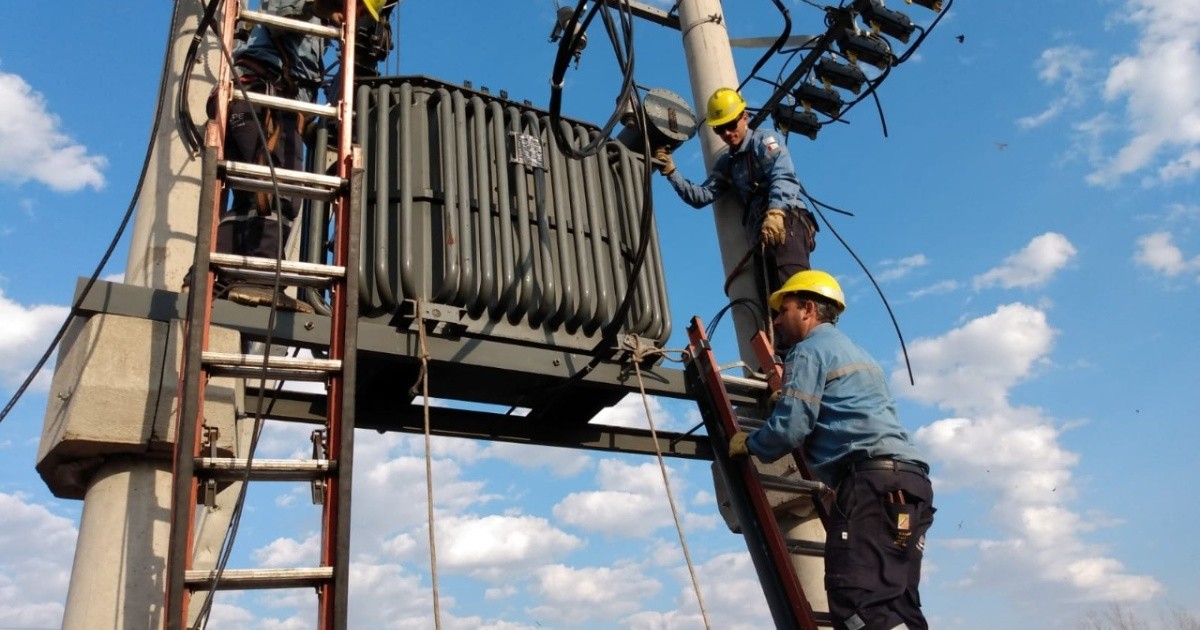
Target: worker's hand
[(737, 445), (773, 231), (667, 165), (775, 396)]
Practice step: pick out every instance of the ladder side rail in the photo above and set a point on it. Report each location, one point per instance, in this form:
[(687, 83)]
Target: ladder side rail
[(193, 382), (187, 425), (341, 402), (765, 540), (333, 596), (774, 371)]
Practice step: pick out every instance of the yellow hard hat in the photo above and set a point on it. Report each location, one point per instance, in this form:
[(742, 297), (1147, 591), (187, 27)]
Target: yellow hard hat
[(373, 7), (810, 281), (723, 106)]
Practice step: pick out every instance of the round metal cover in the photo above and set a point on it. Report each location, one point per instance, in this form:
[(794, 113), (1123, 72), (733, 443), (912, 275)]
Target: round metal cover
[(668, 114)]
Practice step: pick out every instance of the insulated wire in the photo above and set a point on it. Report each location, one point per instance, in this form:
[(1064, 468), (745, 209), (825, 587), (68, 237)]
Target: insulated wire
[(192, 135), (878, 290), (775, 47), (573, 34)]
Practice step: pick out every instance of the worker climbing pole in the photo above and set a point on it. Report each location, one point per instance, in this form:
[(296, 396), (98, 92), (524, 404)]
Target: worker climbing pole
[(259, 100)]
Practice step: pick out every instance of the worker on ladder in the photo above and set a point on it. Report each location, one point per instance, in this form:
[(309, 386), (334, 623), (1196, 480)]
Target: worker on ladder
[(281, 63), (757, 167), (835, 403)]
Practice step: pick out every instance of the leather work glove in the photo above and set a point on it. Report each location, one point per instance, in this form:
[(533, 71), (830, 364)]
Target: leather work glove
[(737, 445), (668, 165), (773, 231)]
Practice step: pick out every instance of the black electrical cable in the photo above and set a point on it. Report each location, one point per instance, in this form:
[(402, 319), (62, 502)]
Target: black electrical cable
[(112, 245), (775, 47), (603, 348), (886, 304), (572, 40), (192, 135), (750, 304)]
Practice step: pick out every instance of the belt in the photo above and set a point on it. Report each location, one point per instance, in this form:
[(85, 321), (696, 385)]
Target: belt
[(884, 463)]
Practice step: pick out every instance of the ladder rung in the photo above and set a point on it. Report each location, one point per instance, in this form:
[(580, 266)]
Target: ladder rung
[(791, 484), (234, 469), (286, 104), (806, 547), (743, 382), (300, 26), (278, 368), (236, 579), (246, 176), (750, 424), (291, 273)]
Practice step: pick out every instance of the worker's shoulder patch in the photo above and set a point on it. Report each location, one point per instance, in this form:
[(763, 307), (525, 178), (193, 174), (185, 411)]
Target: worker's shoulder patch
[(772, 145)]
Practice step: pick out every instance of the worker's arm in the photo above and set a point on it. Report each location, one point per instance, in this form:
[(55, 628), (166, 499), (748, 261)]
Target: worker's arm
[(795, 415), (700, 195), (783, 185), (295, 9)]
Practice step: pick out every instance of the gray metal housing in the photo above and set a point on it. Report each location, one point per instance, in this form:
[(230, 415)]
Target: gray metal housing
[(472, 210)]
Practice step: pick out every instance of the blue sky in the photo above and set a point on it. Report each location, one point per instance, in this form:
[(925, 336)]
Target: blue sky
[(1033, 217)]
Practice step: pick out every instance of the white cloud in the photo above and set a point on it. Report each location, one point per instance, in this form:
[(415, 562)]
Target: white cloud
[(612, 512), (26, 332), (288, 552), (971, 368), (33, 147), (631, 501), (574, 595), (1013, 457), (496, 546), (631, 412), (36, 551), (896, 269), (1159, 86), (945, 286), (1066, 66), (1159, 253), (732, 593), (1032, 266), (564, 462)]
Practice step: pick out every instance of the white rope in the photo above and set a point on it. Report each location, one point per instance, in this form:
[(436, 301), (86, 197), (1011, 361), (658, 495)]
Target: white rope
[(424, 378), (639, 353)]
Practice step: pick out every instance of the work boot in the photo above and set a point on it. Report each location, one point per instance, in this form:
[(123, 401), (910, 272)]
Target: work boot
[(259, 295)]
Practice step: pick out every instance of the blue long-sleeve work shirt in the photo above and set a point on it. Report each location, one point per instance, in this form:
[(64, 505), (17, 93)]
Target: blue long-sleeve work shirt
[(759, 171), (836, 402), (282, 50)]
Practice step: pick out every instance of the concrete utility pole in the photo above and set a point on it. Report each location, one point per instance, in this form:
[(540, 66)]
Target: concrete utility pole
[(109, 426), (710, 66)]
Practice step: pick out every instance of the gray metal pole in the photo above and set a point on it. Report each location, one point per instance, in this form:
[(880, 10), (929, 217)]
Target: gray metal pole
[(710, 66)]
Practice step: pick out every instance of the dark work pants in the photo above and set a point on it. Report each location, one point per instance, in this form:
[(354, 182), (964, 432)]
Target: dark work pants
[(244, 229), (874, 549), (780, 262)]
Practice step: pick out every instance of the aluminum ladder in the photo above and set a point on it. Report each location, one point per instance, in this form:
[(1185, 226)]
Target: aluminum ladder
[(197, 469), (758, 496)]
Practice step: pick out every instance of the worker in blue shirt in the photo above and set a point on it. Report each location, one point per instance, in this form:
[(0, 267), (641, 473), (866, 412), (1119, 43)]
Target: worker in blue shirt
[(757, 168), (284, 63), (834, 403)]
